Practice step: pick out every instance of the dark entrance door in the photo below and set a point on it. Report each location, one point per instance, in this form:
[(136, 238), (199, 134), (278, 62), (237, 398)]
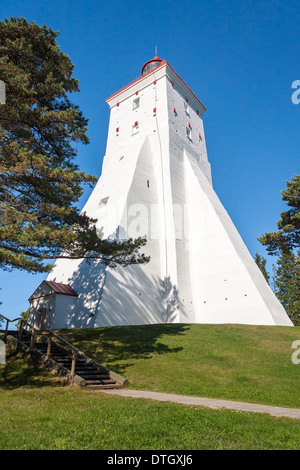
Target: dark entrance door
[(42, 318)]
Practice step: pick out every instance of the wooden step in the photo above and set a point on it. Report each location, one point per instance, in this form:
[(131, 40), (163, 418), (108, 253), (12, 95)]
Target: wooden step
[(101, 382), (103, 387), (89, 378), (91, 374), (94, 378)]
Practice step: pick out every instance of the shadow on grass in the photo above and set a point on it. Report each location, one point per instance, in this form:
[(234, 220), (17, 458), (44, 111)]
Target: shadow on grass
[(114, 345), (17, 372)]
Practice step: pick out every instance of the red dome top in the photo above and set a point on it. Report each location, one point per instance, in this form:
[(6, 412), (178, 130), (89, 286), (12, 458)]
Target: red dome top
[(151, 65)]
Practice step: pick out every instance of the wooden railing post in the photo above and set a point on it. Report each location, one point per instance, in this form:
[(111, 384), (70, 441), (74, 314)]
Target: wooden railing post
[(6, 328), (73, 367), (21, 330), (31, 340), (49, 347)]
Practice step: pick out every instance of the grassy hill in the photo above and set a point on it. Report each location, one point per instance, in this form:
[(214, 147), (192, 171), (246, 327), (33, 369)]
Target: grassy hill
[(237, 362)]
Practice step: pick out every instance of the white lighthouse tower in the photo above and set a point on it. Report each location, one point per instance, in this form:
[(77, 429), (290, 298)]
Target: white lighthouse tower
[(156, 181)]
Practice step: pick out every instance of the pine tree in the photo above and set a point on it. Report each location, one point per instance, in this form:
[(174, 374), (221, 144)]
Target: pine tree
[(285, 243), (261, 263), (287, 284), (39, 182), (287, 239)]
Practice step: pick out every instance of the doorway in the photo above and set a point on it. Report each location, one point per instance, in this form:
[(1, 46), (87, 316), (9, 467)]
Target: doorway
[(42, 311)]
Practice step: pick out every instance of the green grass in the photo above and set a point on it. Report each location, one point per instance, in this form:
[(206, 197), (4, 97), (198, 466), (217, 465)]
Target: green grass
[(55, 417), (236, 362)]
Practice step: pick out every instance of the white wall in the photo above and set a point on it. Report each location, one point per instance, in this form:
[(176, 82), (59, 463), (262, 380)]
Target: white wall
[(157, 182), (47, 303)]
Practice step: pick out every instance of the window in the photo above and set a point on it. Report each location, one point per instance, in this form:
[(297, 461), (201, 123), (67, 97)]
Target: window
[(186, 108), (103, 202), (136, 103), (189, 133)]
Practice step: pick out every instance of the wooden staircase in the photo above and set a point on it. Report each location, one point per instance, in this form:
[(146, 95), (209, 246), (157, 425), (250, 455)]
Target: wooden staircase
[(66, 360)]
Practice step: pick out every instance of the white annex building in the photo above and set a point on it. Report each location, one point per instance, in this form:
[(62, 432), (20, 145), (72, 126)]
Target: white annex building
[(156, 181)]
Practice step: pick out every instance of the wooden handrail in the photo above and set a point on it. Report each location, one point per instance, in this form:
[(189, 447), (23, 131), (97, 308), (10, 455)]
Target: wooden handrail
[(64, 341), (74, 351), (8, 319)]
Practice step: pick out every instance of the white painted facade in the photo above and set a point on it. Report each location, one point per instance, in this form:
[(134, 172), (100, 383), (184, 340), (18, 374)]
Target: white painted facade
[(47, 308), (156, 181)]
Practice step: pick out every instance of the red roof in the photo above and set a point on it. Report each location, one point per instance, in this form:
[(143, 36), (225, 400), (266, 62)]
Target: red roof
[(156, 61), (60, 288)]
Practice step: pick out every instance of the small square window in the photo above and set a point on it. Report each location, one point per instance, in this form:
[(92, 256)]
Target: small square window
[(136, 103), (186, 108)]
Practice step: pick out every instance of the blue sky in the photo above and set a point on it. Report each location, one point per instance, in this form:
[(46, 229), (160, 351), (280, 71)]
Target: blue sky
[(239, 57)]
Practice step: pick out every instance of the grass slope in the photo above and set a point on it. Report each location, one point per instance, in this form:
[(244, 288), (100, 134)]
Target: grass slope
[(245, 363), (237, 362), (54, 417)]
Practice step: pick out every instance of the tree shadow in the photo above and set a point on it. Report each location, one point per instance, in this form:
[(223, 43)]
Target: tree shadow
[(17, 372), (129, 295), (121, 346)]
